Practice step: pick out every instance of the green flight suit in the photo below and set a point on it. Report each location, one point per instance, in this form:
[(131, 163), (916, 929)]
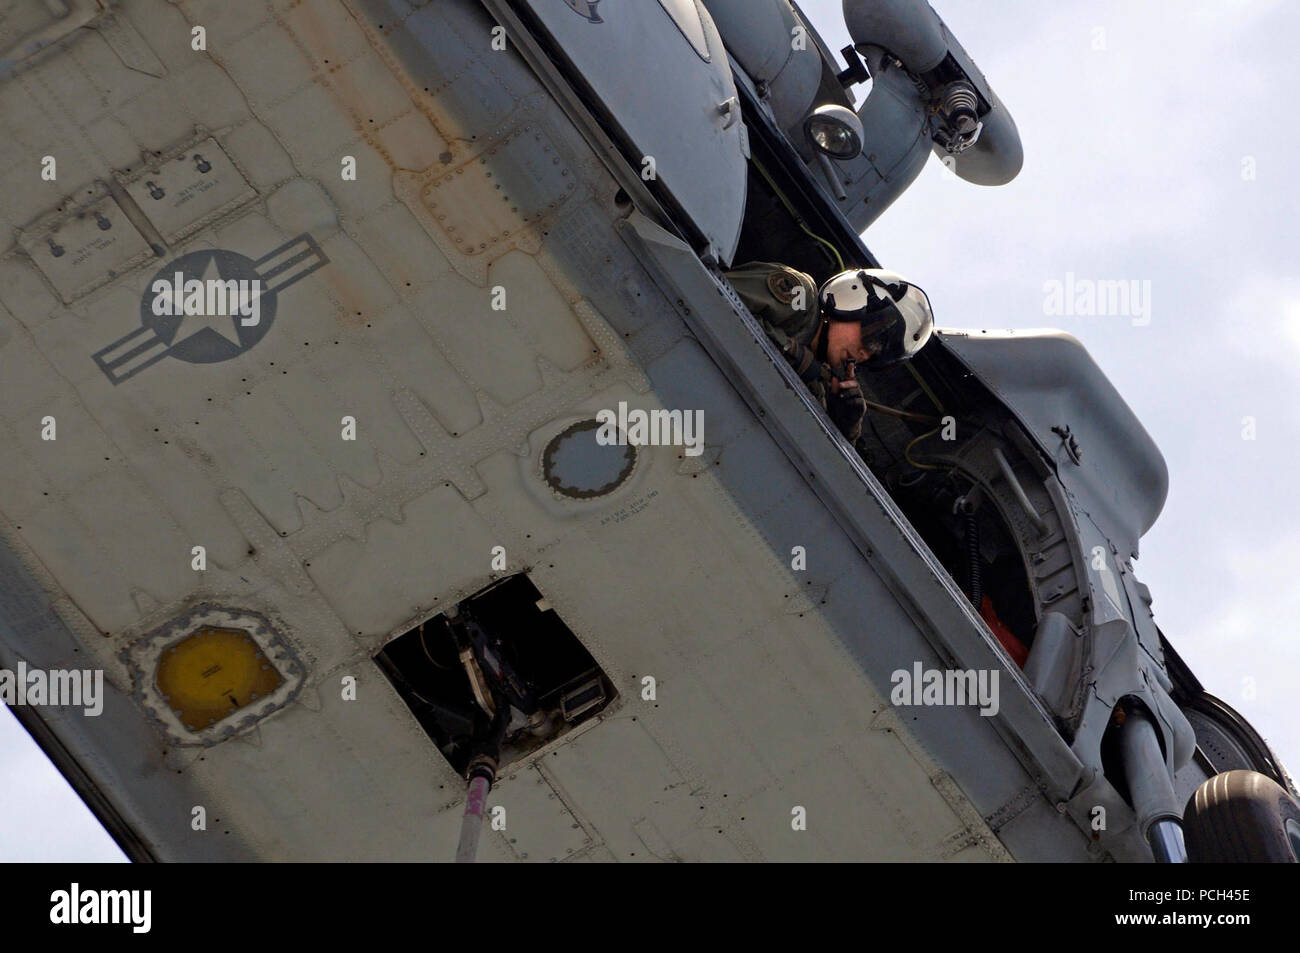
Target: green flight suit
[(772, 293)]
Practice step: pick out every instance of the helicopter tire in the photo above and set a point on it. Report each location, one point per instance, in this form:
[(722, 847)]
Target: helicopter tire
[(1242, 817)]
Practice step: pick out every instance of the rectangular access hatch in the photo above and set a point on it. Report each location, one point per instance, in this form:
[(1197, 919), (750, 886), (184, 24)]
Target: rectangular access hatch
[(504, 649), (188, 189), (81, 247)]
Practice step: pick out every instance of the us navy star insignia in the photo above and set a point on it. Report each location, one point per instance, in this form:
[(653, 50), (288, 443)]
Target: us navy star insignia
[(192, 324), (172, 327)]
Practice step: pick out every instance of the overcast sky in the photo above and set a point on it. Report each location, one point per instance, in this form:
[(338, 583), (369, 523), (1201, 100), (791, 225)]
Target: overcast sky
[(1161, 145)]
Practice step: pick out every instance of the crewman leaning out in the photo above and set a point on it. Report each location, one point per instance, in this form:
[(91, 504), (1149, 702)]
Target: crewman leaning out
[(864, 317)]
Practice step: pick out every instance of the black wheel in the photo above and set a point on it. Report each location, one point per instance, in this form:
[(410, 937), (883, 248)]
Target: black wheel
[(1242, 817)]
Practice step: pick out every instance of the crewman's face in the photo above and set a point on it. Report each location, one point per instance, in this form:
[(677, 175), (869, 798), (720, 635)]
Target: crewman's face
[(844, 343)]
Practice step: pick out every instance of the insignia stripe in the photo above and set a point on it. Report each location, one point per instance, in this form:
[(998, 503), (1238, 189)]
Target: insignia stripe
[(306, 250), (120, 367)]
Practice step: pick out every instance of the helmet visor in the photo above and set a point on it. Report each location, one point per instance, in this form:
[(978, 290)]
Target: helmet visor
[(903, 330)]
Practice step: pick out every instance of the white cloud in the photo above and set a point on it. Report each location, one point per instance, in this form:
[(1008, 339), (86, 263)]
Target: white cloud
[(1261, 309), (1244, 643)]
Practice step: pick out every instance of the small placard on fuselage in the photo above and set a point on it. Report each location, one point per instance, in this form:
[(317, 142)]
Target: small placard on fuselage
[(90, 247), (189, 190)]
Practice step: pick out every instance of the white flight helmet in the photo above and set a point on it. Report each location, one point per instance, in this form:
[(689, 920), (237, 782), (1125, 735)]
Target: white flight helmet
[(895, 315)]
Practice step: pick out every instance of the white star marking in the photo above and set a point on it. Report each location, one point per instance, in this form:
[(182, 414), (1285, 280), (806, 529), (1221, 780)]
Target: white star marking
[(192, 324)]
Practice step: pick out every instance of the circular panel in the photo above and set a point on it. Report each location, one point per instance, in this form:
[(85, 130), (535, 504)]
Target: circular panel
[(577, 465)]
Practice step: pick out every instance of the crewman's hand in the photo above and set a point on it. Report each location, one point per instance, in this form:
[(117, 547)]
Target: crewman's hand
[(845, 404), (848, 383)]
